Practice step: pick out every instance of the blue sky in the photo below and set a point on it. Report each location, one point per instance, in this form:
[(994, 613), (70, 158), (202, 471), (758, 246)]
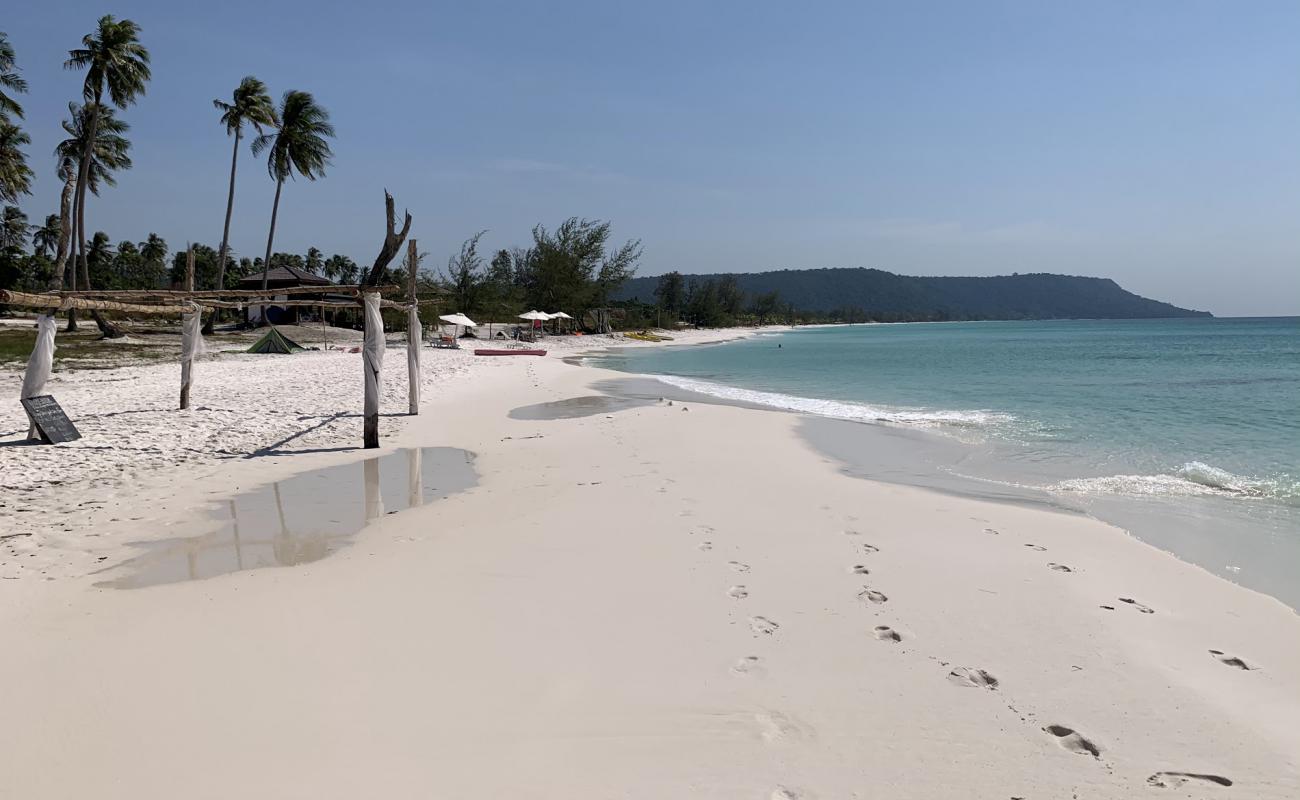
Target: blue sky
[(1157, 143)]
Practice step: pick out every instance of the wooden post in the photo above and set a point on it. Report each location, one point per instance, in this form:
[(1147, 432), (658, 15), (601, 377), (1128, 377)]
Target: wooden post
[(413, 333), (188, 345), (372, 360)]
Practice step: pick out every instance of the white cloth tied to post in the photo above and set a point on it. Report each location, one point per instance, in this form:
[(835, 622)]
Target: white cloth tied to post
[(372, 353), (192, 335), (40, 364), (414, 335)]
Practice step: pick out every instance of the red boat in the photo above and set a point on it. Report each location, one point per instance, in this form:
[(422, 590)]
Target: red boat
[(509, 352)]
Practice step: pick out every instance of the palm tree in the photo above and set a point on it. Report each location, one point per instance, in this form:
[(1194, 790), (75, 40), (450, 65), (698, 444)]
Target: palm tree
[(10, 79), (108, 154), (46, 237), (13, 228), (250, 104), (154, 249), (15, 175), (115, 61), (297, 146)]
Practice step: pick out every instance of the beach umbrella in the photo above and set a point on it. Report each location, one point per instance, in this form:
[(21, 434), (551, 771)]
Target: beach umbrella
[(534, 314), (557, 315), (459, 319)]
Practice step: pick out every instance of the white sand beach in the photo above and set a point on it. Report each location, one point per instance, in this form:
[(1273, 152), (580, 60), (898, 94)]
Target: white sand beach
[(657, 601)]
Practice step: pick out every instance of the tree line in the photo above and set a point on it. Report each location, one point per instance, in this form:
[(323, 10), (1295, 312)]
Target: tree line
[(294, 135)]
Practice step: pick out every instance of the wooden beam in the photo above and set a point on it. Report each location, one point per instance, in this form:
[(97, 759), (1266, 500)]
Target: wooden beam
[(56, 302)]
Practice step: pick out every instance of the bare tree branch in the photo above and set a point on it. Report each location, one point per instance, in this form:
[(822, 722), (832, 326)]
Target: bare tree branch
[(392, 242)]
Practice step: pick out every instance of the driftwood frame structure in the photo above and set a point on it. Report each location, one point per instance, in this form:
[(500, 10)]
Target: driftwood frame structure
[(189, 305)]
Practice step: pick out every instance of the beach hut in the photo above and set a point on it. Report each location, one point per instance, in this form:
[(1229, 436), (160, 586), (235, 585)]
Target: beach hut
[(284, 277)]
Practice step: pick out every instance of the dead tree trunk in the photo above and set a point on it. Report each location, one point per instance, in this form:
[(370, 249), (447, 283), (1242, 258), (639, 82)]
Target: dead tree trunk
[(392, 243)]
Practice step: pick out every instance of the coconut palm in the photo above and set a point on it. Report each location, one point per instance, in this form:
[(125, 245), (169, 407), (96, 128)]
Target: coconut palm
[(67, 172), (115, 62), (154, 249), (15, 175), (10, 79), (249, 104), (108, 155), (298, 145), (13, 228), (46, 237)]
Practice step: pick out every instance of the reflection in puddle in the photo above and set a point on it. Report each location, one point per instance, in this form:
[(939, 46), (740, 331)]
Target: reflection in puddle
[(302, 519), (578, 407)]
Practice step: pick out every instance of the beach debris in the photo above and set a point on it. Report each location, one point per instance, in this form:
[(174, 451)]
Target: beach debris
[(1173, 780), (1073, 741), (972, 677), (1137, 605), (1231, 661)]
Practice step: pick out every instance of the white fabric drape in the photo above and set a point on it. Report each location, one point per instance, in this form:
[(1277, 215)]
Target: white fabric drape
[(40, 364), (372, 355)]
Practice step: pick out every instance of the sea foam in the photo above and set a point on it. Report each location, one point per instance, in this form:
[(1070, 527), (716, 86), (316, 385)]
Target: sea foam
[(840, 409), (1193, 479)]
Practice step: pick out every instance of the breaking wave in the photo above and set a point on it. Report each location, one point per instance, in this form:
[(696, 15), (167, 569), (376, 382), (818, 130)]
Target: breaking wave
[(1190, 480), (840, 409)]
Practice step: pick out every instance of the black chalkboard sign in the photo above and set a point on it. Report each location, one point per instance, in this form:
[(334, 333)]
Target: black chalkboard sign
[(50, 421)]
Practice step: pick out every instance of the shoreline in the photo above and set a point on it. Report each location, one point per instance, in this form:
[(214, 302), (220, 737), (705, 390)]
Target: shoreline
[(647, 602)]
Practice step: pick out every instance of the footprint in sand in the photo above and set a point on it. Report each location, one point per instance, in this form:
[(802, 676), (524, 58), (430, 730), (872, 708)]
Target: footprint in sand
[(738, 567), (887, 634), (1232, 661), (1137, 605), (1173, 780), (869, 595), (763, 625), (971, 677), (859, 569), (738, 593), (748, 666), (1073, 741), (1037, 547), (991, 531), (1059, 567), (777, 727), (782, 793), (706, 546), (870, 548)]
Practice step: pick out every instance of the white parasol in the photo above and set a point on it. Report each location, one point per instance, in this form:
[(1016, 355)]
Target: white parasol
[(459, 319), (534, 314)]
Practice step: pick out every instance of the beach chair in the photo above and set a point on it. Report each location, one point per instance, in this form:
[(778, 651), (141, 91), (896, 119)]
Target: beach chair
[(445, 343)]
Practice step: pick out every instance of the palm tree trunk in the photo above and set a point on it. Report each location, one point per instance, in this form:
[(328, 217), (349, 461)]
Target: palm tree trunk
[(87, 153), (270, 240), (60, 277), (225, 231)]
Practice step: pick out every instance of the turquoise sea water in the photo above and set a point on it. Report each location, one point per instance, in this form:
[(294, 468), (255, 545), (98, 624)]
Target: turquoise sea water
[(1186, 432)]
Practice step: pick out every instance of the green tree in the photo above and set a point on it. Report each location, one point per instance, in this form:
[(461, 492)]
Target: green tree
[(341, 269), (15, 175), (465, 275), (314, 261), (109, 153), (766, 306), (154, 249), (569, 269), (250, 104), (670, 292), (10, 79), (14, 229), (299, 146), (206, 267), (45, 239), (67, 172), (115, 62), (99, 261)]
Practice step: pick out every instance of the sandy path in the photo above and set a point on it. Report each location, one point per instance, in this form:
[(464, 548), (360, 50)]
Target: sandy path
[(658, 602)]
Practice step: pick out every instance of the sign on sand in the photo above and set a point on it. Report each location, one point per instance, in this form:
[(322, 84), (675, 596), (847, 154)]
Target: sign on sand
[(51, 423)]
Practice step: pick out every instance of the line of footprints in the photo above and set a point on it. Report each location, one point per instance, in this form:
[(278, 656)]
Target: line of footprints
[(969, 677)]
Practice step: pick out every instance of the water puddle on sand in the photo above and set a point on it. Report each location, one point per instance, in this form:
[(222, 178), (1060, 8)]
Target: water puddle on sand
[(301, 519), (574, 407)]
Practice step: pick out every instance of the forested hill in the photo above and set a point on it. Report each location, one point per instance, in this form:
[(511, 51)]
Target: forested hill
[(884, 295)]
